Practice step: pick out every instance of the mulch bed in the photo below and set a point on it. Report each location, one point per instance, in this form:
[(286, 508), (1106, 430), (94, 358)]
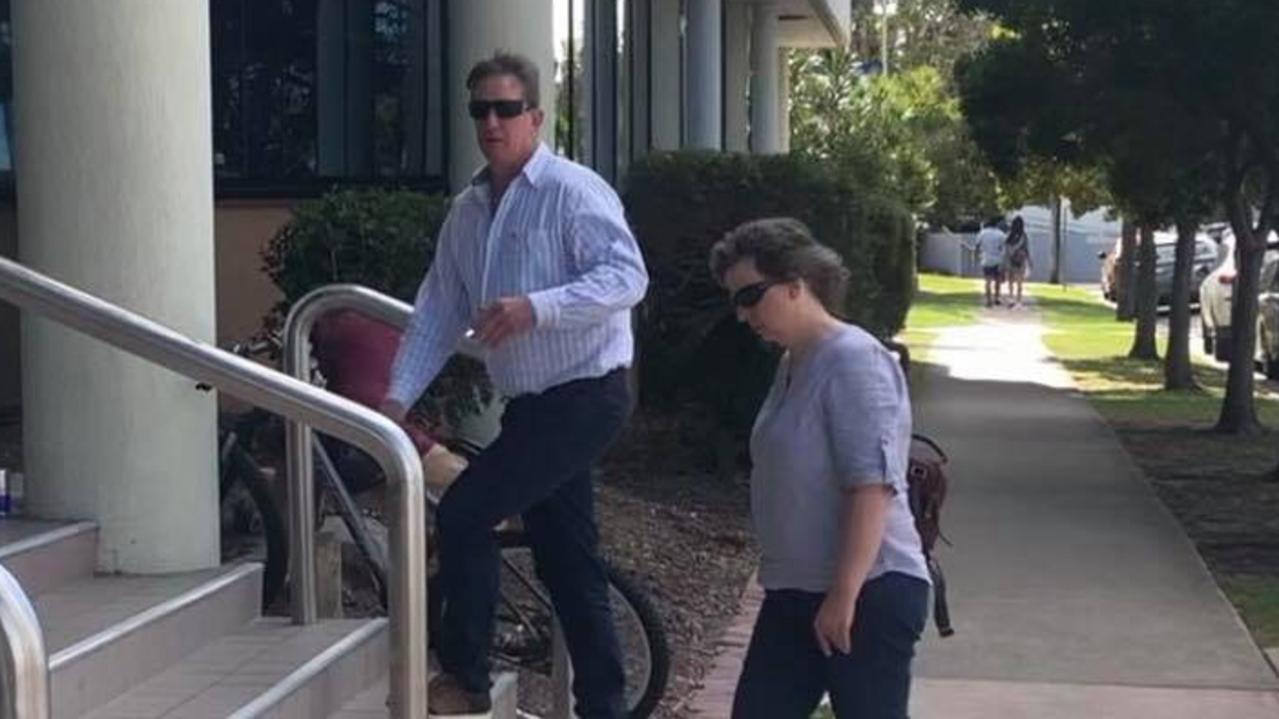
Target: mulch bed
[(1219, 488)]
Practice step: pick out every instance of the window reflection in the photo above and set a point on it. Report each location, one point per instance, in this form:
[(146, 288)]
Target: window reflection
[(326, 89)]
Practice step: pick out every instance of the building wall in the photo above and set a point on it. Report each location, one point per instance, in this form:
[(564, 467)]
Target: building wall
[(241, 230)]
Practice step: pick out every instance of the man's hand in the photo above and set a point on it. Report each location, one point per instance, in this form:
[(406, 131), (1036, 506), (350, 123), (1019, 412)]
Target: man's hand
[(393, 410), (834, 622), (503, 319)]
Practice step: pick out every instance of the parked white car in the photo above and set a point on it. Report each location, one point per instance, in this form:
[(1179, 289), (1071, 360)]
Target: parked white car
[(1216, 293)]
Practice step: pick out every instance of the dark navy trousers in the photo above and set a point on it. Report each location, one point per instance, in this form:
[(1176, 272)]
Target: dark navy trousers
[(785, 674), (538, 468)]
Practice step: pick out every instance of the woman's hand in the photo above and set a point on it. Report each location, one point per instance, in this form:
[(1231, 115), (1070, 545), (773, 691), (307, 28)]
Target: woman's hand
[(834, 622)]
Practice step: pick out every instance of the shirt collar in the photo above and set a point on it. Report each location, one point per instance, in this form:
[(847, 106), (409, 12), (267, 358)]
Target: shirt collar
[(532, 170)]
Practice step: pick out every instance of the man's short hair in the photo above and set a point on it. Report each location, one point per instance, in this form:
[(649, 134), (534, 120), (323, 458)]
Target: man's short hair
[(508, 63)]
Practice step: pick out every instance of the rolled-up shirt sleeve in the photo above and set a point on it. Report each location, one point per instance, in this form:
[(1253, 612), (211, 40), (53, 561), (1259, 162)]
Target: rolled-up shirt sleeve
[(610, 273), (862, 404), (440, 316)]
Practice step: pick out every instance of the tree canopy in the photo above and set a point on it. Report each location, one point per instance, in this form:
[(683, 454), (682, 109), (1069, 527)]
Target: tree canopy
[(1174, 102)]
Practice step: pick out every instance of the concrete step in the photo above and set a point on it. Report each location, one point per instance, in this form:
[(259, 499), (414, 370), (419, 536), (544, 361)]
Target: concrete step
[(45, 555), (108, 633), (372, 703), (265, 668)]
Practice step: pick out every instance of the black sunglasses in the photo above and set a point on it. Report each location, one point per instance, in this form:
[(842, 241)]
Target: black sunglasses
[(750, 295), (505, 109)]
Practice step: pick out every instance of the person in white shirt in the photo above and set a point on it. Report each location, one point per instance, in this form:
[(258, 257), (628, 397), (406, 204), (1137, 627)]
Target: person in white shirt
[(535, 258), (990, 252)]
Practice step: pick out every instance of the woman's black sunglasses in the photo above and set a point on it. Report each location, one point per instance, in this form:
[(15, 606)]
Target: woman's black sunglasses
[(750, 295), (505, 109)]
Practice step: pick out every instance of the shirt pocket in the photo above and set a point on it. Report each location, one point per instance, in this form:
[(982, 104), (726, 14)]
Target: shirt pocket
[(532, 260)]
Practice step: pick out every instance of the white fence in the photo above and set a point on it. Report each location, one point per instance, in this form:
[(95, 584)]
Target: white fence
[(1082, 239)]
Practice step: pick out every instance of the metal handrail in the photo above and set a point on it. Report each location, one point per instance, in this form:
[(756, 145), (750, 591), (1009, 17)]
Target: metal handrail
[(22, 655), (299, 401), (298, 436)]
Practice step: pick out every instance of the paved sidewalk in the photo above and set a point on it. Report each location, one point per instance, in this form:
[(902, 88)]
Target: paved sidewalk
[(1073, 591)]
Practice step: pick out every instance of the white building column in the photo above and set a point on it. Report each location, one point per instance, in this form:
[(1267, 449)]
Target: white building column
[(477, 29), (666, 96), (765, 84), (737, 74), (116, 197), (704, 74)]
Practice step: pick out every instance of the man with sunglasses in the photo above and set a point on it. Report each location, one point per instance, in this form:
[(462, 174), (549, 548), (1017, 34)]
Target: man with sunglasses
[(535, 262)]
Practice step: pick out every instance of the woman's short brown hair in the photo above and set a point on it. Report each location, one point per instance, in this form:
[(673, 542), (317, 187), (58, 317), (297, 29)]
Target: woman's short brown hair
[(784, 249)]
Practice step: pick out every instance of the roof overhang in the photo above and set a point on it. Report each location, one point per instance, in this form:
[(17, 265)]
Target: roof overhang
[(812, 23)]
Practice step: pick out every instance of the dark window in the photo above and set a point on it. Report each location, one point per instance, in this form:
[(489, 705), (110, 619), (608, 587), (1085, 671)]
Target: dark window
[(307, 93)]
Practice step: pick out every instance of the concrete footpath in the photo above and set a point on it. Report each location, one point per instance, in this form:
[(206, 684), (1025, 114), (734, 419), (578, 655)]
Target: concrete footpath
[(1074, 592)]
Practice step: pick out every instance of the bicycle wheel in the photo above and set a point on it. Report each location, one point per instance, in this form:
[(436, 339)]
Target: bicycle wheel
[(253, 529), (523, 636)]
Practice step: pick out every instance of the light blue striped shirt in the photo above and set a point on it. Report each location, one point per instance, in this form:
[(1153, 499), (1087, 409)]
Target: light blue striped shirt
[(559, 236)]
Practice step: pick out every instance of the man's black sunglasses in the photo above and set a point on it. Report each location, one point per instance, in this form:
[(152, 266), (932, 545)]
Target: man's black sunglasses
[(750, 295), (505, 109)]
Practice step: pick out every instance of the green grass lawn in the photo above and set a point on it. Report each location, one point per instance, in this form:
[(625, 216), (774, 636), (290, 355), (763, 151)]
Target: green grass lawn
[(940, 301), (1084, 335), (1217, 485), (1258, 601)]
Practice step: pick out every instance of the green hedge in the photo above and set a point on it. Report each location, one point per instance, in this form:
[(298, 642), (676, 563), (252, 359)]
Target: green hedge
[(679, 204)]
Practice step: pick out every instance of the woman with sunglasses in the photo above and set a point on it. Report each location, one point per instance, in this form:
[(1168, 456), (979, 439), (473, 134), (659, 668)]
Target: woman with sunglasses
[(846, 584)]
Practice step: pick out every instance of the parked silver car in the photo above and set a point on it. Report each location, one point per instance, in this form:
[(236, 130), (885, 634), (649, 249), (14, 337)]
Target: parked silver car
[(1267, 354), (1206, 258)]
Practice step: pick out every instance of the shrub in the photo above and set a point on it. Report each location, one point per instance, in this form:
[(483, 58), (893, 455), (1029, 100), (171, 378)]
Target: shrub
[(679, 204), (383, 239)]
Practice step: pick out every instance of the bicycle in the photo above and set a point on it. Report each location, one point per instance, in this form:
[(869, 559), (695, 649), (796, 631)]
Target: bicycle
[(524, 628), (524, 635), (253, 527)]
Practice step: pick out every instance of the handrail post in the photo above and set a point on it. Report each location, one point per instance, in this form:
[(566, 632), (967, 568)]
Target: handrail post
[(304, 604), (406, 597), (24, 665)]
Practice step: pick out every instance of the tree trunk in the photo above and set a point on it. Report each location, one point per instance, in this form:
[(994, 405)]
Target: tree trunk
[(1143, 341), (1238, 409), (1177, 372), (1126, 274), (1054, 276)]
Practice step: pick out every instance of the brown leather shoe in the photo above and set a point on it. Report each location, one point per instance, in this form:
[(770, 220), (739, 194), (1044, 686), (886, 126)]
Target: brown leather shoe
[(447, 697)]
